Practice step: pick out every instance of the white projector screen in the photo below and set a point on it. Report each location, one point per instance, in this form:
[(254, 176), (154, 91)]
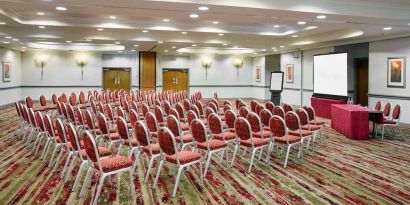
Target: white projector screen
[(330, 74), (276, 81)]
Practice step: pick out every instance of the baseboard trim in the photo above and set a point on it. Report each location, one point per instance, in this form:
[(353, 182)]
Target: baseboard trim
[(397, 97)]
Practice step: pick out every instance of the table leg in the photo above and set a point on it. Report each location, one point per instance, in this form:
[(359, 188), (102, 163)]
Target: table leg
[(374, 125)]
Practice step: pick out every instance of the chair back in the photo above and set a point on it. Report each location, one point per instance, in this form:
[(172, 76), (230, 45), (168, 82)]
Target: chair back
[(43, 101), (258, 108), (159, 114), (133, 117), (378, 106), (254, 103), (79, 115), (215, 124), (91, 149), (243, 112), (187, 105), (173, 112), (180, 110), (89, 120), (151, 121), (310, 112), (254, 121), (122, 128), (40, 121), (226, 107), (386, 111), (54, 99), (396, 113), (144, 108), (230, 118), (81, 98), (109, 112), (18, 109), (73, 137), (29, 102), (208, 111), (213, 106), (200, 107), (141, 133), (198, 131), (49, 126), (173, 125), (278, 110), (303, 116), (167, 142), (265, 116), (237, 102), (292, 120), (167, 106), (269, 105), (61, 131), (121, 112), (277, 126), (73, 99), (32, 117), (70, 113), (64, 110), (102, 123), (287, 107), (195, 109), (191, 115), (243, 128)]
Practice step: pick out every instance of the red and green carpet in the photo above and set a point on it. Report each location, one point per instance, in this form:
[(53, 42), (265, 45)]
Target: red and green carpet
[(342, 171)]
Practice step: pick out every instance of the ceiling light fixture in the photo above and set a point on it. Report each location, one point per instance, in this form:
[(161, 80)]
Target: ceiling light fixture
[(133, 50), (113, 17), (193, 16), (160, 42), (301, 22), (6, 42), (321, 17), (235, 46), (60, 8), (184, 33), (8, 37), (40, 13), (273, 48), (23, 47), (165, 51), (215, 22), (174, 47), (42, 27), (2, 23), (15, 39), (276, 26), (282, 46), (165, 20), (117, 42), (136, 45), (203, 8), (193, 45), (224, 44), (220, 34), (100, 29), (294, 36), (68, 41), (387, 28), (144, 31)]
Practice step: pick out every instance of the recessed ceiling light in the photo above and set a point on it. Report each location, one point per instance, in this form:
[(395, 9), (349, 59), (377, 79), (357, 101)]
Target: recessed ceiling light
[(132, 50), (174, 47), (224, 44), (220, 34), (117, 42), (254, 53), (165, 20), (42, 27), (40, 13), (144, 31), (8, 37), (165, 51), (60, 8), (113, 17), (215, 22), (68, 41), (23, 47), (119, 51), (100, 29), (21, 43), (263, 49), (193, 45), (193, 16), (6, 42), (276, 26), (321, 17), (88, 40), (301, 22), (235, 46), (136, 45), (282, 46), (160, 42), (273, 48), (184, 33), (2, 23), (203, 8), (294, 36), (15, 39), (387, 28)]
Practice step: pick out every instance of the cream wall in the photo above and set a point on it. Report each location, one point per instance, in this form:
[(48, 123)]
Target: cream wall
[(10, 91)]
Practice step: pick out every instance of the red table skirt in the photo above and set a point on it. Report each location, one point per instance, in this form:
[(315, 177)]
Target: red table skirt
[(322, 106), (351, 121)]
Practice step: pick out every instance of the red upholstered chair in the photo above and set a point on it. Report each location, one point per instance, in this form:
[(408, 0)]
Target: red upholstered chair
[(195, 109), (230, 118), (29, 102), (242, 104), (187, 105), (171, 154), (217, 131), (80, 117), (393, 122), (109, 134), (44, 105), (281, 136), (256, 126), (167, 106), (126, 137), (378, 106), (145, 110), (265, 116), (244, 132), (51, 137), (61, 144), (54, 99), (258, 108), (203, 142), (237, 102), (312, 116), (109, 113), (182, 139), (243, 112), (191, 115), (41, 132), (269, 105), (91, 125), (70, 114), (181, 112), (108, 166), (152, 124), (253, 105), (146, 146), (133, 118), (294, 128), (287, 107), (278, 110), (225, 108), (386, 111), (214, 107), (305, 125), (33, 126), (200, 107), (73, 99), (159, 114), (184, 126)]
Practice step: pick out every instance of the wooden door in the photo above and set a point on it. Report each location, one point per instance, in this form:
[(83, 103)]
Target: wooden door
[(147, 70), (117, 79), (175, 80), (362, 81)]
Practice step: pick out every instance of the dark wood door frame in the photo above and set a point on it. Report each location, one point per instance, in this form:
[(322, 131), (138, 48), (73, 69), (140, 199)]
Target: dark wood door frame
[(357, 63), (139, 69)]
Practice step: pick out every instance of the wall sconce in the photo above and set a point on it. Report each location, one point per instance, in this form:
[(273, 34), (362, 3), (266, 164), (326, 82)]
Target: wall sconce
[(42, 60), (206, 63), (296, 53), (81, 61), (238, 62)]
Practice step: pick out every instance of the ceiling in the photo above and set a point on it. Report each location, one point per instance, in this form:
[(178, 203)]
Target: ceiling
[(245, 25)]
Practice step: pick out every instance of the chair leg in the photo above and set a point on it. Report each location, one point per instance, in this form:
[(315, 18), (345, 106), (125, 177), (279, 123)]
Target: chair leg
[(158, 172), (287, 156), (300, 148), (86, 182), (401, 133), (137, 156), (60, 155), (77, 178), (382, 132), (67, 162), (208, 161), (260, 153), (39, 144), (56, 147), (253, 156), (177, 181), (45, 150), (268, 154), (234, 154), (70, 168), (97, 194), (36, 142), (200, 172), (151, 161), (132, 185)]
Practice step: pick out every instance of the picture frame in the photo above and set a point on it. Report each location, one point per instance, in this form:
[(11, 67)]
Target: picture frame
[(396, 72), (258, 74), (290, 73), (6, 71)]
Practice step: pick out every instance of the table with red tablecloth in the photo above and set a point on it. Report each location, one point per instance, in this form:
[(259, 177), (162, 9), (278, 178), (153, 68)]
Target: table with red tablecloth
[(322, 106), (351, 121)]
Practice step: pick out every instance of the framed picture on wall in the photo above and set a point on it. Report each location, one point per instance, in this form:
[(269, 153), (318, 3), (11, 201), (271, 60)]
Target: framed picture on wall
[(258, 74), (6, 71), (396, 72), (289, 73)]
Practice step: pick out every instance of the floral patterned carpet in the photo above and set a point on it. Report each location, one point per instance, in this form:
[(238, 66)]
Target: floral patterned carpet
[(342, 171)]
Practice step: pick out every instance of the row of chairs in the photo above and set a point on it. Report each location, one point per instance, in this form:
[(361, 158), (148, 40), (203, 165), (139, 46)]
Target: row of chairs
[(391, 119)]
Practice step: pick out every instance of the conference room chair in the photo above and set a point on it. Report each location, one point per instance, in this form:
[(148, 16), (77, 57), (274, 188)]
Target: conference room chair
[(312, 116), (110, 135), (244, 132), (186, 104), (281, 137), (207, 112), (33, 126), (214, 107), (200, 107), (195, 109), (218, 132), (108, 166), (243, 112), (61, 145), (386, 111), (160, 115), (183, 125), (41, 132), (230, 118), (145, 110), (204, 143), (47, 107), (24, 121), (182, 138), (378, 106), (237, 102), (305, 125), (133, 119), (269, 105), (152, 124), (20, 122), (51, 137), (191, 115), (181, 113), (278, 110), (265, 116), (287, 107), (294, 128), (70, 114), (126, 137), (256, 126), (253, 104), (171, 154), (393, 123), (167, 106), (72, 99)]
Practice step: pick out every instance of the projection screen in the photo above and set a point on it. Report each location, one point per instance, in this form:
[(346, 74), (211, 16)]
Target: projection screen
[(330, 74)]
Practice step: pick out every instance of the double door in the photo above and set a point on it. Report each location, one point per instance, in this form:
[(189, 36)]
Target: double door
[(117, 79), (175, 79)]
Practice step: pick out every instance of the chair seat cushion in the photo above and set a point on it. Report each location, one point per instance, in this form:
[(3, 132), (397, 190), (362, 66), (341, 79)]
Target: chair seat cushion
[(154, 148), (312, 127), (227, 135), (299, 132), (390, 122), (213, 145), (291, 138), (102, 151), (162, 124), (257, 142), (265, 134), (114, 163), (112, 136), (134, 142), (184, 157), (184, 127), (154, 134), (185, 138), (317, 122)]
